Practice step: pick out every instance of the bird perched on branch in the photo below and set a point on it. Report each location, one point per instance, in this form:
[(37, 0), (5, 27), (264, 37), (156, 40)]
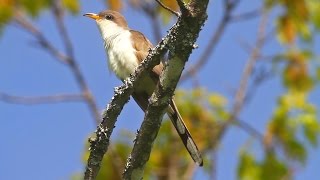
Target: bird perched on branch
[(126, 49)]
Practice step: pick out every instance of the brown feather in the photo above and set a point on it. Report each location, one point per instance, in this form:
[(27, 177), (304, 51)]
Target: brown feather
[(142, 93)]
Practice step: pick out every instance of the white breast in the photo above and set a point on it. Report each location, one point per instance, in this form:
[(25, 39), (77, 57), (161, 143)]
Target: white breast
[(121, 55), (122, 58)]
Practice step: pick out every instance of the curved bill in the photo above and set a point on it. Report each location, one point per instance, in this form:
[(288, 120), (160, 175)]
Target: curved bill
[(92, 16)]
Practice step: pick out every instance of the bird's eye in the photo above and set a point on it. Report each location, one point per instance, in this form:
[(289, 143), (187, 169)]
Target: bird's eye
[(109, 17)]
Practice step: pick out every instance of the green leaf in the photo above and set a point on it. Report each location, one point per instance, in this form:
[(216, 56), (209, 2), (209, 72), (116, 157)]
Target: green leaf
[(295, 150), (318, 72), (272, 168), (34, 8), (217, 100), (72, 6), (304, 31), (248, 168), (314, 7), (6, 11), (311, 128), (286, 29)]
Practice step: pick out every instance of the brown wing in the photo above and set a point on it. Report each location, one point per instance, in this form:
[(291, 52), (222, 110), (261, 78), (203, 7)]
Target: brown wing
[(144, 44), (141, 97), (142, 50)]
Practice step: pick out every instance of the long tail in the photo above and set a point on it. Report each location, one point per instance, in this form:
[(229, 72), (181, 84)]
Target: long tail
[(184, 133)]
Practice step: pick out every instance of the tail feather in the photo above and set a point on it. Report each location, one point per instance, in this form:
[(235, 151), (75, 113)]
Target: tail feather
[(173, 113), (184, 133)]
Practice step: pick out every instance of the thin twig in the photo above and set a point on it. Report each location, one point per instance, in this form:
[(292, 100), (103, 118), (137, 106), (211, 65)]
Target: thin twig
[(20, 20), (67, 59), (217, 35), (240, 94), (242, 90), (204, 57), (213, 169), (152, 14), (257, 135), (156, 27), (257, 81), (249, 129), (246, 15), (167, 8), (58, 16), (28, 100), (189, 170)]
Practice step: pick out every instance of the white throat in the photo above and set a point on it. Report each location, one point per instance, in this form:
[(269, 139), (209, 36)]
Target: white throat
[(122, 59)]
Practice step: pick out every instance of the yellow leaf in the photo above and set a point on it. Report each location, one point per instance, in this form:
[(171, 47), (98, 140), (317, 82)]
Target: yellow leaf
[(286, 30), (114, 4), (71, 5), (217, 100), (6, 11), (296, 73), (299, 9), (171, 4), (294, 99)]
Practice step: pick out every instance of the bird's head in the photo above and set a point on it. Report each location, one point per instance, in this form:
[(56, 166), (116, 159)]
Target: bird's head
[(109, 22)]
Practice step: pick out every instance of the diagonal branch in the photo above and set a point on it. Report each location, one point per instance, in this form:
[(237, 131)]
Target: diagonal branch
[(248, 71), (67, 59), (241, 92), (151, 12), (204, 57), (180, 49), (20, 20), (73, 65), (246, 15), (168, 9), (250, 130), (100, 144)]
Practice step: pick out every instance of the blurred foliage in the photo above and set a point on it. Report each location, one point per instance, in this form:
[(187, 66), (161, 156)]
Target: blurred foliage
[(200, 110), (114, 4), (294, 124), (71, 5), (31, 8), (165, 14), (269, 168), (298, 19)]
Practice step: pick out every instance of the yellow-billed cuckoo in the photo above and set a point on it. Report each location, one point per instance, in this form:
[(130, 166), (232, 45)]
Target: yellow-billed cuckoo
[(127, 48)]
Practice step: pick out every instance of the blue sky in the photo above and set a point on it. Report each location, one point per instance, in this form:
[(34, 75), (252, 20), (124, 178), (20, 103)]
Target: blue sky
[(47, 141)]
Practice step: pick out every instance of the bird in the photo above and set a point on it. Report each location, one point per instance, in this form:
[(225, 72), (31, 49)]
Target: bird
[(126, 49)]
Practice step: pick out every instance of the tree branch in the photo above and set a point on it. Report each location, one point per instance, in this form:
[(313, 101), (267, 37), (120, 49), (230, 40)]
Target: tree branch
[(204, 57), (40, 99), (99, 144), (240, 95), (152, 14), (180, 49), (242, 90), (183, 7), (250, 130), (246, 15), (43, 42), (168, 9), (73, 65), (67, 59)]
